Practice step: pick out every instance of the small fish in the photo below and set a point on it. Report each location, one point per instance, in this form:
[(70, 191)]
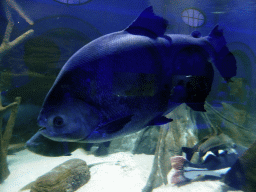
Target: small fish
[(215, 166), (125, 81), (209, 143)]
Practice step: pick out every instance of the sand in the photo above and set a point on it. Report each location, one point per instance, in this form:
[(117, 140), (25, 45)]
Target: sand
[(121, 171)]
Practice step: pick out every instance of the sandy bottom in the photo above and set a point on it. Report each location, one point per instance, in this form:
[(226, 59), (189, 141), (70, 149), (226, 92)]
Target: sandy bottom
[(120, 172)]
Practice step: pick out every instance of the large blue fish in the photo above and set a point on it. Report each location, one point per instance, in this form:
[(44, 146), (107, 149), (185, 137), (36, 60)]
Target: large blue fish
[(124, 81)]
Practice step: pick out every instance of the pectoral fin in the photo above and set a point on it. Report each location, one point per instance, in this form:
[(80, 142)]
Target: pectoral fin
[(160, 120), (115, 126), (197, 106)]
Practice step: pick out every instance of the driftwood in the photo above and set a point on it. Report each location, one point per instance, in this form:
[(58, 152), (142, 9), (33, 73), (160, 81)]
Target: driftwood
[(6, 135), (5, 47)]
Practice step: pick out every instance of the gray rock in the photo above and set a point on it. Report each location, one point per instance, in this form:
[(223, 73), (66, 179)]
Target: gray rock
[(147, 141), (126, 143)]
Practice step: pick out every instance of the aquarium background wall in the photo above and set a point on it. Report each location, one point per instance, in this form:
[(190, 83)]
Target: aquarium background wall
[(61, 27)]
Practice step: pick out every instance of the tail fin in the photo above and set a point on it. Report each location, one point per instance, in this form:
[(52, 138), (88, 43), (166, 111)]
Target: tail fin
[(178, 163), (226, 64), (225, 61)]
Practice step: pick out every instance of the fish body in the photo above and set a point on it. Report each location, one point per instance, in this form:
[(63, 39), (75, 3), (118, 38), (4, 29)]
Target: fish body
[(124, 81), (215, 165), (212, 167), (209, 143), (41, 145)]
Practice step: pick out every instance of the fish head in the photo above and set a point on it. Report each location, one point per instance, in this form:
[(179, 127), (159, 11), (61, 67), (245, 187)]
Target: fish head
[(67, 118), (41, 145)]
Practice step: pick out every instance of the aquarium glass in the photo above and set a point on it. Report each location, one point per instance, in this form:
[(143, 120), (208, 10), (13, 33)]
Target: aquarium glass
[(118, 95)]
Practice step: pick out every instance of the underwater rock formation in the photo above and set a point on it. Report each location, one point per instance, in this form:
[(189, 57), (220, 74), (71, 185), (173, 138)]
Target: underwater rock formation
[(190, 128), (173, 136), (161, 165), (69, 176), (242, 173), (6, 135), (143, 141), (237, 125), (147, 141)]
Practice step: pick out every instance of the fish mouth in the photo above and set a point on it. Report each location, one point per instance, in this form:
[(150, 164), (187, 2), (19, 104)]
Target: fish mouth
[(50, 135), (45, 132)]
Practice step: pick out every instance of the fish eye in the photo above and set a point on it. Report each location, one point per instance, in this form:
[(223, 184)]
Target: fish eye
[(58, 121)]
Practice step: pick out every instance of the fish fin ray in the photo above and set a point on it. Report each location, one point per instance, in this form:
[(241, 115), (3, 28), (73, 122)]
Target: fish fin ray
[(160, 120), (115, 126)]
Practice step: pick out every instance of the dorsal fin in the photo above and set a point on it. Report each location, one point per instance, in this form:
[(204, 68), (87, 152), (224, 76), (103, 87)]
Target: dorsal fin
[(216, 32), (217, 39), (196, 34), (149, 22)]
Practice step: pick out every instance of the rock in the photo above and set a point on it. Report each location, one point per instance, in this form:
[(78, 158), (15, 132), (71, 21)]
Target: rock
[(237, 125), (123, 144), (147, 141), (102, 150), (67, 177), (182, 132), (242, 174), (143, 141)]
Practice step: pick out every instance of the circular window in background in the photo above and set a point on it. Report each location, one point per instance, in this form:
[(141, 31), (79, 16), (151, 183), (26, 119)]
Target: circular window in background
[(73, 2), (193, 17)]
